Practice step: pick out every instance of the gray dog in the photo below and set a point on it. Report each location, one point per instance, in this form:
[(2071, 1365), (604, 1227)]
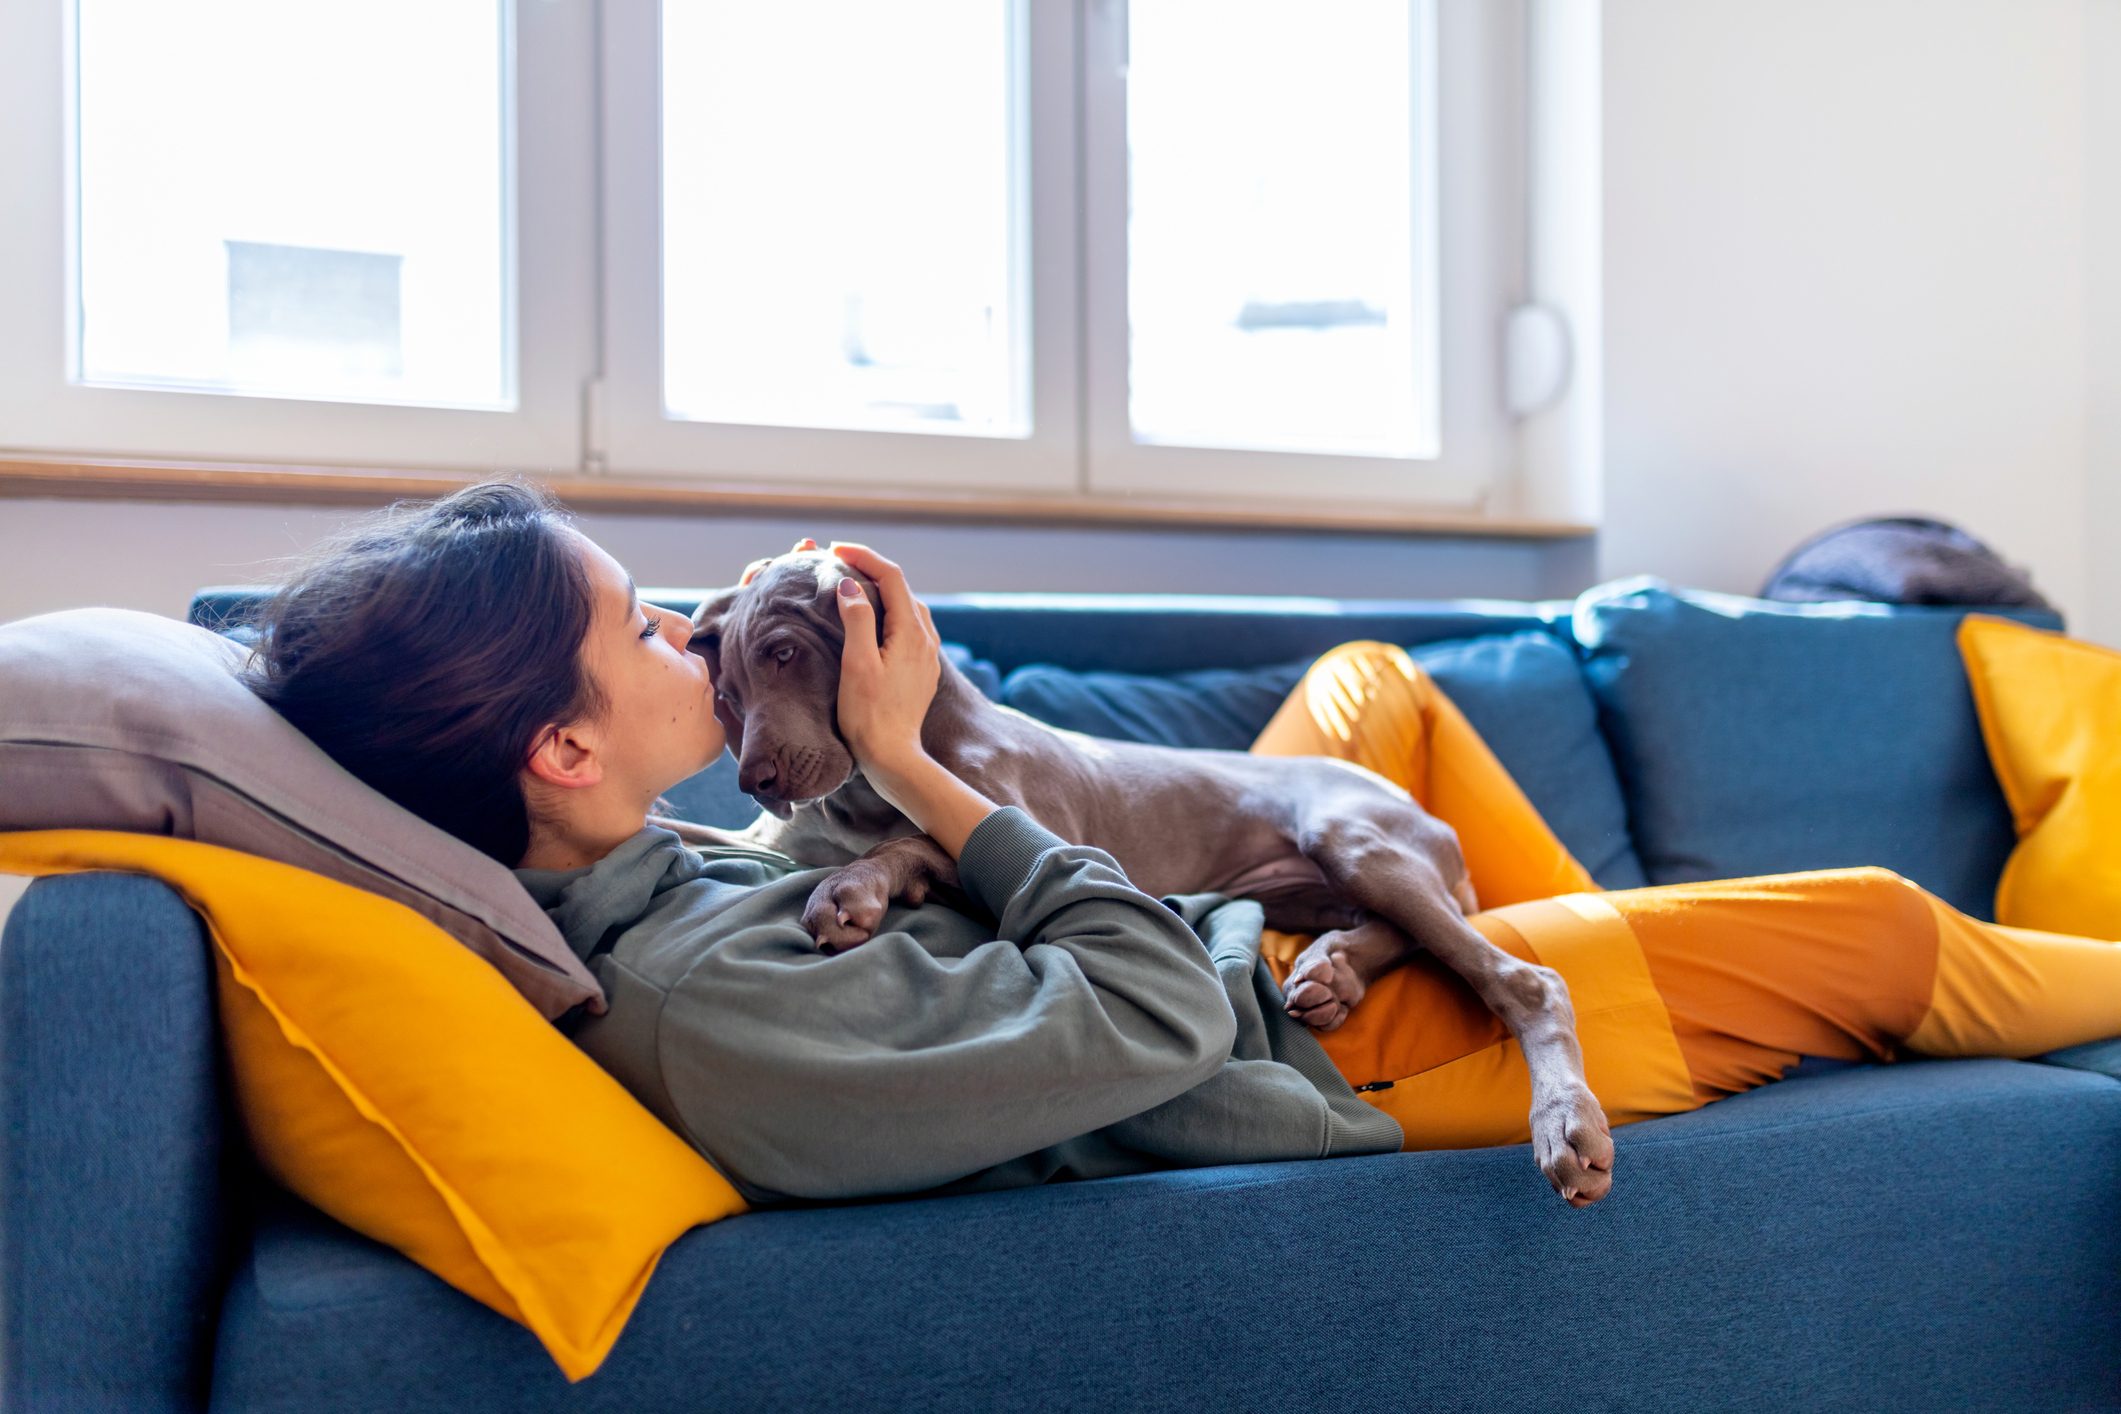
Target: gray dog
[(1325, 846)]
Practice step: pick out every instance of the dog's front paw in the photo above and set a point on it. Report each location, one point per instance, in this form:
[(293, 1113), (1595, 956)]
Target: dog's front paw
[(845, 909), (1323, 985), (1574, 1146)]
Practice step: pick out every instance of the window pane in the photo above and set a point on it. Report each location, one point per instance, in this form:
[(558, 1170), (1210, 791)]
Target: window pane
[(842, 243), (295, 199), (1270, 260)]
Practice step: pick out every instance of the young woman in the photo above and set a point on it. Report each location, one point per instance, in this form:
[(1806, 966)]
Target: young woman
[(487, 666)]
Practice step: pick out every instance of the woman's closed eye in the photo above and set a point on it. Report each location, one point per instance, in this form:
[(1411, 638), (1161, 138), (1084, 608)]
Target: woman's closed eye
[(655, 621)]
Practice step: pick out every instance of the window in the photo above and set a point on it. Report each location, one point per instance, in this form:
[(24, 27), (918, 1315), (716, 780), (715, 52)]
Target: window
[(865, 272), (876, 282), (1249, 249), (352, 246), (1278, 291), (262, 230), (1265, 313)]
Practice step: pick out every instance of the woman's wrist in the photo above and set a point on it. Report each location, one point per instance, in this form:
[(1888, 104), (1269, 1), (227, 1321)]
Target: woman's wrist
[(932, 796), (890, 774)]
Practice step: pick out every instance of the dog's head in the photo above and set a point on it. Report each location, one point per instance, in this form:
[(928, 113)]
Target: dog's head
[(772, 643)]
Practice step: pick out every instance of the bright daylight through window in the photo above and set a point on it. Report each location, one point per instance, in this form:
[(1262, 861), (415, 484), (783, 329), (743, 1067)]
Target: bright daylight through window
[(1270, 274), (294, 199), (843, 240)]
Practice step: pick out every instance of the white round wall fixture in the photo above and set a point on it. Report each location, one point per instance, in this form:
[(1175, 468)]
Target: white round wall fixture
[(1535, 344)]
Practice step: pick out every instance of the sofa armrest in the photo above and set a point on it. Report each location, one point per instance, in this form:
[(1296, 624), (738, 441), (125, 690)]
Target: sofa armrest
[(116, 1151)]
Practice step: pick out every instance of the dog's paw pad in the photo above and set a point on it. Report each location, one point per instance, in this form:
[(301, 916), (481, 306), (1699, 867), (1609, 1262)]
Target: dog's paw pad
[(1322, 988), (1573, 1144), (834, 928)]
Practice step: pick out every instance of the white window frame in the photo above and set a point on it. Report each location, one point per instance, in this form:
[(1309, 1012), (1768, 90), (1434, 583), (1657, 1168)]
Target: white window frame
[(638, 440), (550, 320), (1458, 360)]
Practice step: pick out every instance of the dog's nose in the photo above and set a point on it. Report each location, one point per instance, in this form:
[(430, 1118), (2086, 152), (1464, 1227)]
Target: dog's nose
[(757, 779)]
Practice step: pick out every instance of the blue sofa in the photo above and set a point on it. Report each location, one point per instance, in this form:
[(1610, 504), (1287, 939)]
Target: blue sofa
[(1927, 1234)]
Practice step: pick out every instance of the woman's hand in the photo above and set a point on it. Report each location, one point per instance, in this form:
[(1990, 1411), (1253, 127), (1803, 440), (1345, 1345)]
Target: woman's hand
[(885, 687), (885, 692)]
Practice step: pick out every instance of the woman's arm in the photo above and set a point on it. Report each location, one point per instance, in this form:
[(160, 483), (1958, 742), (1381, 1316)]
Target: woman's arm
[(892, 1068), (886, 686), (933, 797)]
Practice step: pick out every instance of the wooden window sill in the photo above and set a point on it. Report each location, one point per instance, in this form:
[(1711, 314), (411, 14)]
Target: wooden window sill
[(352, 486)]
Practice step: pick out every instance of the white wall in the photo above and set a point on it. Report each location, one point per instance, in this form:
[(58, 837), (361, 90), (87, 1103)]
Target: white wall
[(57, 554), (2102, 518), (1845, 262)]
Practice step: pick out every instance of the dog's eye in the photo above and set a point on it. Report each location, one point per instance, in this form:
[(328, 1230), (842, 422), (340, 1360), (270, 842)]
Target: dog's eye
[(785, 654)]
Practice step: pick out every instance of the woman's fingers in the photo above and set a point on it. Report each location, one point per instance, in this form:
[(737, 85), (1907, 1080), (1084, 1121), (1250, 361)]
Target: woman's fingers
[(889, 577), (900, 607), (886, 688), (858, 653)]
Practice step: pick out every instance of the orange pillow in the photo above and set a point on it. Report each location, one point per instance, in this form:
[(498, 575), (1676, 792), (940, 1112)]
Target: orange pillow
[(396, 1081), (2050, 709)]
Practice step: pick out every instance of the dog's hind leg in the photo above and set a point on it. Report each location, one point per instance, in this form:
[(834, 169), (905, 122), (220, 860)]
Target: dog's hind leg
[(1400, 864)]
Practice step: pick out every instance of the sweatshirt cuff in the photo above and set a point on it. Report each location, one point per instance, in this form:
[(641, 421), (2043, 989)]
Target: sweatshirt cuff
[(997, 856)]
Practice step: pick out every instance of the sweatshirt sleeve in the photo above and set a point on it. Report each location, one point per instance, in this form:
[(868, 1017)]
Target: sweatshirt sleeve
[(889, 1069)]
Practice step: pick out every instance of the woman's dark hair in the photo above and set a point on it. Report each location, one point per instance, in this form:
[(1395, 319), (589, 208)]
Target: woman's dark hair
[(426, 645)]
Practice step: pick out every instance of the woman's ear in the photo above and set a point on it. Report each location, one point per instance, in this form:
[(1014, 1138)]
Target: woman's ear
[(566, 757)]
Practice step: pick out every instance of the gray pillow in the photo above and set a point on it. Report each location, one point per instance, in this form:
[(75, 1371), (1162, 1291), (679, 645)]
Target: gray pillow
[(112, 719)]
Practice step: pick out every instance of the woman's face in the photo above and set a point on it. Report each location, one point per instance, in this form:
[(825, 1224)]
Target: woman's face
[(659, 726)]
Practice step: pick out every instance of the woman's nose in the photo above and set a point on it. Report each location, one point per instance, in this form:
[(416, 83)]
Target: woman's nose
[(675, 626)]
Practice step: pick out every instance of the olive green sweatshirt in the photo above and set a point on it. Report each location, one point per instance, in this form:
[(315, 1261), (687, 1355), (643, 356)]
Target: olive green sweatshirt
[(1083, 1029)]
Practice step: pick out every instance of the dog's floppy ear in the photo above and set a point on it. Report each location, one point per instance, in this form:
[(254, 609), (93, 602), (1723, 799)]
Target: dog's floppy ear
[(706, 641), (706, 637)]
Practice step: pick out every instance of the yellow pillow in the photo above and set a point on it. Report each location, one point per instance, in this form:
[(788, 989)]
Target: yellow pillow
[(2050, 709), (395, 1080)]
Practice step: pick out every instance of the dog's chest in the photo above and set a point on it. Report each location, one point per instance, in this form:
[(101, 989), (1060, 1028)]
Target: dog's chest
[(842, 827)]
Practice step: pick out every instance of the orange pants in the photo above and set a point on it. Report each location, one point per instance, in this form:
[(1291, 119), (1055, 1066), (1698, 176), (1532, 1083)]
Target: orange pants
[(1683, 993)]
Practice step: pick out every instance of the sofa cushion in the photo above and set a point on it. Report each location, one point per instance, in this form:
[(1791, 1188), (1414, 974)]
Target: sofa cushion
[(120, 720), (1758, 738), (1728, 1236), (1521, 691), (1220, 709), (2050, 710)]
